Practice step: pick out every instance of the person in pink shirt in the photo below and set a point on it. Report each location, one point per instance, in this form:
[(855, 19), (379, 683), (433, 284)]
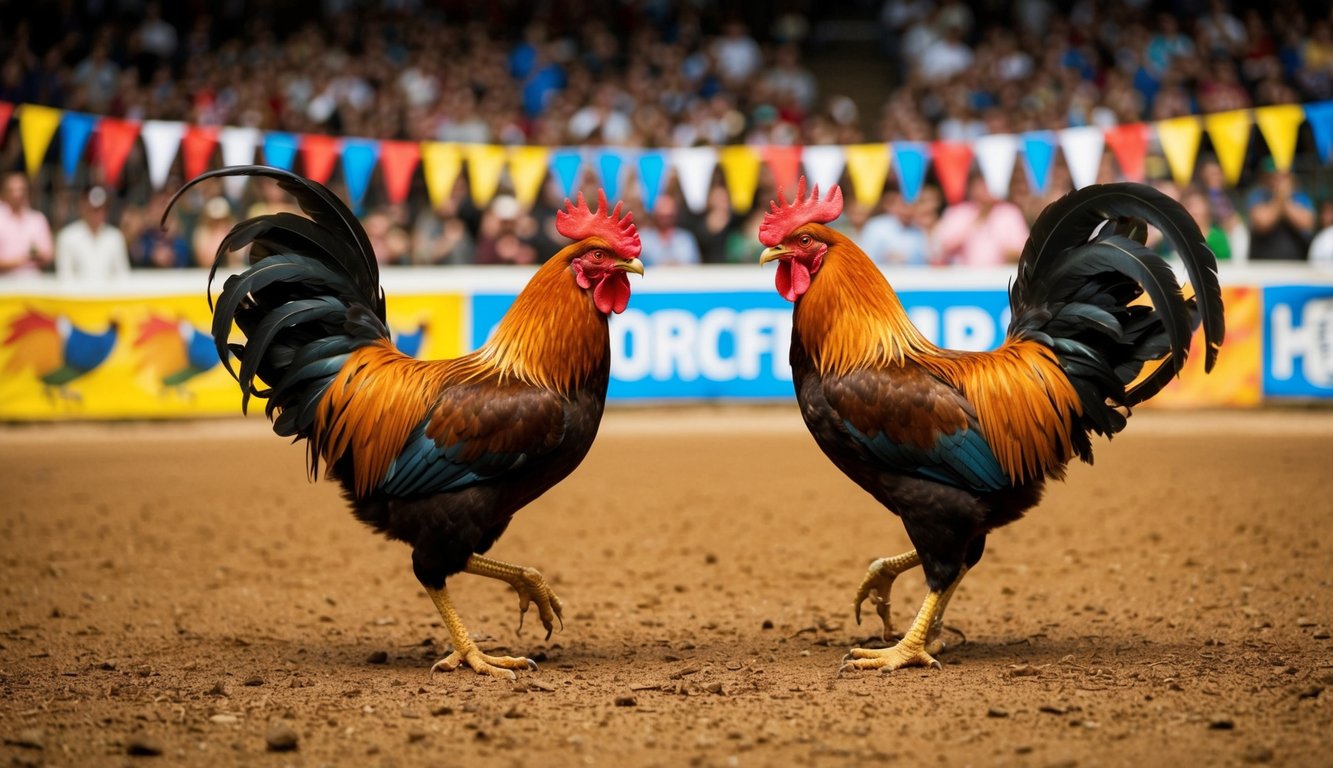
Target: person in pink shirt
[(981, 231), (25, 234)]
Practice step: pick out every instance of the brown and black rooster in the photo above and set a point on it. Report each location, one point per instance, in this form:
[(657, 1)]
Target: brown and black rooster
[(438, 454), (959, 443)]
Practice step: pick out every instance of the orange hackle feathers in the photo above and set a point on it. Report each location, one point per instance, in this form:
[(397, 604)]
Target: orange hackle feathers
[(578, 222), (782, 217)]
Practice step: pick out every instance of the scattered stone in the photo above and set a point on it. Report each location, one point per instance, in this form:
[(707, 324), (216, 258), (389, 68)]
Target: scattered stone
[(710, 559), (1306, 621), (1022, 670), (441, 710), (254, 681), (1257, 753), (1221, 723), (224, 719), (1310, 692), (416, 735), (1023, 749), (219, 689), (378, 657), (540, 685), (1053, 709), (626, 701), (143, 745), (281, 738), (768, 624), (107, 666), (514, 713), (1320, 634), (997, 712), (716, 687), (29, 738)]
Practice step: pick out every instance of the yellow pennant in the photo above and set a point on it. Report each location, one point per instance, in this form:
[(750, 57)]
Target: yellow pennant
[(1230, 133), (868, 168), (740, 170), (485, 163), (527, 169), (36, 127), (1280, 125), (1180, 143), (441, 164)]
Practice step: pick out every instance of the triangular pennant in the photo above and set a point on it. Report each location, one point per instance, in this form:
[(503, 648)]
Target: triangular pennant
[(319, 153), (1280, 125), (1179, 137), (784, 163), (441, 164), (952, 161), (398, 161), (694, 173), (75, 128), (115, 139), (996, 153), (610, 167), (824, 164), (1320, 115), (280, 149), (6, 111), (1038, 157), (358, 162), (485, 164), (1230, 134), (1083, 147), (527, 171), (1129, 147), (37, 125), (910, 159), (652, 176), (197, 148), (161, 144), (238, 148), (740, 172), (566, 165), (868, 170)]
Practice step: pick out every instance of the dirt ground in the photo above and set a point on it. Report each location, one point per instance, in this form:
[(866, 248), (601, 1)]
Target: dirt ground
[(180, 589)]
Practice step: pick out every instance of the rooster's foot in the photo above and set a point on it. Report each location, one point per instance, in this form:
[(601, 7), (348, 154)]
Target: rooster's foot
[(903, 654), (878, 583), (530, 585), (495, 666)]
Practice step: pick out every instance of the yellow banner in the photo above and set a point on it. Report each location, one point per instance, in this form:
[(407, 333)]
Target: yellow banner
[(1230, 134), (136, 357), (440, 164), (1280, 126), (1236, 379), (868, 168), (36, 127), (740, 169), (485, 163), (527, 169), (1180, 143)]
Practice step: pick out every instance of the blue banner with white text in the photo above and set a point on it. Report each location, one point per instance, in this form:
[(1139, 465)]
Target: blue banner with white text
[(1298, 341)]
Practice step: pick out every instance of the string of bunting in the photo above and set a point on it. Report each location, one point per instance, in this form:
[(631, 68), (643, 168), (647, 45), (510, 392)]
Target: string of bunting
[(109, 142)]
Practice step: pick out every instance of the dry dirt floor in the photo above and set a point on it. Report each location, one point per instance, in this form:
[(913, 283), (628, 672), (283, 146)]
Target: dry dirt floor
[(179, 594)]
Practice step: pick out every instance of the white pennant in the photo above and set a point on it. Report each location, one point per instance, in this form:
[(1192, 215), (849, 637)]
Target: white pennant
[(823, 165), (238, 148), (1083, 147), (161, 141), (995, 155), (694, 172)]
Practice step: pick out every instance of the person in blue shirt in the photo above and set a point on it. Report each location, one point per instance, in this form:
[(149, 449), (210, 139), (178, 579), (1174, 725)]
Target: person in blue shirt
[(1281, 217)]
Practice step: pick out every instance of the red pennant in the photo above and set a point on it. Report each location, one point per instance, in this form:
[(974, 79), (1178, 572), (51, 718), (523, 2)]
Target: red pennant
[(785, 165), (1129, 145), (115, 139), (953, 160), (398, 161), (197, 148), (6, 109), (318, 155)]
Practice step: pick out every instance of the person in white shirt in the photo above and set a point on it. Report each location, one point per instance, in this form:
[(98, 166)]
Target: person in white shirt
[(90, 249)]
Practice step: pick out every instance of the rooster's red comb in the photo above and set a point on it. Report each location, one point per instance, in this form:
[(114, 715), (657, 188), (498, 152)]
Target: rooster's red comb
[(578, 222), (783, 217)]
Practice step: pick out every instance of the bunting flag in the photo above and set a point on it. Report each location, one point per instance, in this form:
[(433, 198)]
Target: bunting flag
[(197, 149), (161, 144), (953, 160), (1280, 125), (485, 164), (280, 149), (610, 166), (1179, 137), (527, 171), (238, 148), (652, 176), (75, 128), (115, 139), (1083, 147), (1129, 146), (996, 154), (567, 165), (824, 165), (318, 155), (694, 173), (398, 161), (1320, 116), (441, 164), (910, 158), (784, 163), (740, 169), (1230, 134), (358, 163), (6, 111), (1038, 157), (37, 125), (868, 169)]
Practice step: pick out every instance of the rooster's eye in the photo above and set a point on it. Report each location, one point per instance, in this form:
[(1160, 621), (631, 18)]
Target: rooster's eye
[(597, 255), (805, 240)]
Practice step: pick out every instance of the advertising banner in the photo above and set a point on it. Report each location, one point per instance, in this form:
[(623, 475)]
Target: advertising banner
[(1298, 341)]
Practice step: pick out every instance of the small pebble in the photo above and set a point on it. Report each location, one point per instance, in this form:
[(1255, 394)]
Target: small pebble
[(716, 687), (253, 681), (224, 719), (997, 712), (378, 657), (1310, 692), (1221, 723), (626, 701), (514, 713), (219, 689), (142, 745), (768, 624), (441, 711), (1306, 621), (281, 738), (415, 735), (29, 738)]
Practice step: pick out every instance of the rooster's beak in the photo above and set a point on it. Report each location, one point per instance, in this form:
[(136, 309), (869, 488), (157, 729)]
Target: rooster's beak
[(633, 265), (773, 254)]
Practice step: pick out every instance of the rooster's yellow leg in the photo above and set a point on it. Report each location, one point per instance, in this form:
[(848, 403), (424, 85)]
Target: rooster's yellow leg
[(465, 650), (530, 585), (933, 642), (911, 650), (879, 582)]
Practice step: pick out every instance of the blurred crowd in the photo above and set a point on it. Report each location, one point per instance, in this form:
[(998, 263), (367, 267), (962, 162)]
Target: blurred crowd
[(655, 73)]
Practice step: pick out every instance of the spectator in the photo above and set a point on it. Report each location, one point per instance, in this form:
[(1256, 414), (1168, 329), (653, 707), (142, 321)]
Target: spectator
[(664, 243), (1200, 209), (1281, 217), (88, 249), (506, 234), (209, 231), (440, 236), (981, 231), (25, 234), (1321, 248), (714, 227)]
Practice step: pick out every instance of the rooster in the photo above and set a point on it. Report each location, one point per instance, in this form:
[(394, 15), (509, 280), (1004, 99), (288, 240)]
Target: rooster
[(437, 454), (960, 443), (177, 351)]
